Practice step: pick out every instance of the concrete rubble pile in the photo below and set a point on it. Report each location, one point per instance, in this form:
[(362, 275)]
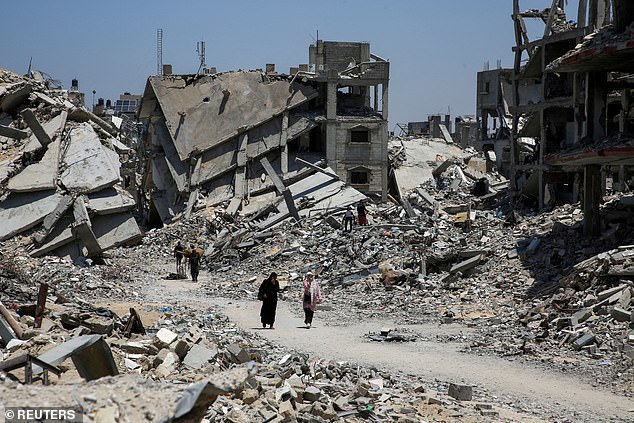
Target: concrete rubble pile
[(439, 253), (60, 173), (230, 374)]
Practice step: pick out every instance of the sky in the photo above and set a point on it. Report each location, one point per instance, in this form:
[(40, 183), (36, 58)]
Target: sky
[(435, 48)]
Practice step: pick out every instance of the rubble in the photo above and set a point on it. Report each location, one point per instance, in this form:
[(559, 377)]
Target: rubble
[(59, 153)]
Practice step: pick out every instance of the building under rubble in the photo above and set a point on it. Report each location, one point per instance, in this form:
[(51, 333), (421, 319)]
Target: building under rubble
[(234, 135), (564, 110)]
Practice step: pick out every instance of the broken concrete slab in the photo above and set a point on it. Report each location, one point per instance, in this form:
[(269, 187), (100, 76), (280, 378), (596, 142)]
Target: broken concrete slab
[(17, 134), (84, 229), (114, 230), (90, 354), (110, 201), (237, 354), (199, 355), (38, 176), (22, 211), (466, 265), (88, 165), (14, 96), (53, 129), (217, 107), (36, 127), (460, 392), (197, 398)]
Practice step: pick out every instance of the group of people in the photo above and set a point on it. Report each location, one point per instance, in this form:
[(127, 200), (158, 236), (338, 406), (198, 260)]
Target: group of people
[(348, 216), (187, 257), (311, 296)]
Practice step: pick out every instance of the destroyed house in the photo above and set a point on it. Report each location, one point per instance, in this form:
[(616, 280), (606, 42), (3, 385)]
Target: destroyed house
[(572, 95), (233, 135)]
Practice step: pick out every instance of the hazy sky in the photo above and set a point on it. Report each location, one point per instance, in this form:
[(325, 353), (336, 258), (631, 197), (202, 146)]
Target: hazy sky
[(435, 47)]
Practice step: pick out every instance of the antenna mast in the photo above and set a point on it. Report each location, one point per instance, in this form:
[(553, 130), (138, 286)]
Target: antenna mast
[(159, 51), (200, 49)]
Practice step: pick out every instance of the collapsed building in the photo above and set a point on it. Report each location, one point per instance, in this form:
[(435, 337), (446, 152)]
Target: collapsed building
[(238, 136), (60, 173), (564, 108)]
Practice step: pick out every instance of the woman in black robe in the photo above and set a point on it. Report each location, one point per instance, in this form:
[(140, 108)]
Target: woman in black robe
[(268, 294)]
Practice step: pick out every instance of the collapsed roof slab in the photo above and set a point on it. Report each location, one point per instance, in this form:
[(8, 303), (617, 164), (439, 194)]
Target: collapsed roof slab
[(110, 201), (89, 166), (22, 211), (14, 96), (261, 140), (177, 168), (38, 176), (202, 112), (114, 230)]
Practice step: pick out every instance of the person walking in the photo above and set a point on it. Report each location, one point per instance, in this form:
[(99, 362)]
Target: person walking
[(179, 252), (268, 295), (310, 297), (194, 262), (361, 214), (348, 218)]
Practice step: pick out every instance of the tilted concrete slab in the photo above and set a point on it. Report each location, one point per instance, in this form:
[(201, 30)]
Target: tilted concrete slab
[(61, 235), (178, 169), (109, 201), (114, 230), (6, 168), (261, 140), (14, 96), (53, 129), (202, 112), (88, 165), (327, 192), (22, 211), (83, 227), (38, 176)]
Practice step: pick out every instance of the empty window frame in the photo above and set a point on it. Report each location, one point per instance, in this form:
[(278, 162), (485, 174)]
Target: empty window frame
[(360, 135), (359, 177)]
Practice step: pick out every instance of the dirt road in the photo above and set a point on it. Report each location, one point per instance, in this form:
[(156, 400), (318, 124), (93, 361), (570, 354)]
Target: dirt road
[(545, 393), (431, 359)]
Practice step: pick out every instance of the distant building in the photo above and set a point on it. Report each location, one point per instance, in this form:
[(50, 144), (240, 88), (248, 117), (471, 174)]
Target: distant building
[(205, 133)]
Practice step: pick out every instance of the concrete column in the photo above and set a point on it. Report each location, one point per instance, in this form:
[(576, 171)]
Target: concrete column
[(331, 125), (592, 194), (622, 178), (331, 101), (376, 97), (576, 188), (384, 99), (595, 104), (284, 144)]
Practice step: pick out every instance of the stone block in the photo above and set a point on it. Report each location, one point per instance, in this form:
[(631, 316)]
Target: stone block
[(237, 354), (181, 348), (160, 357), (324, 411), (461, 392), (333, 222), (249, 396), (168, 366), (312, 394), (286, 410), (134, 347), (620, 315), (165, 337), (584, 341), (582, 315), (198, 356)]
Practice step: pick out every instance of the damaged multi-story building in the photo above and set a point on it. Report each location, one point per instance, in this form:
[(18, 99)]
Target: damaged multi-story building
[(566, 124), (231, 136)]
